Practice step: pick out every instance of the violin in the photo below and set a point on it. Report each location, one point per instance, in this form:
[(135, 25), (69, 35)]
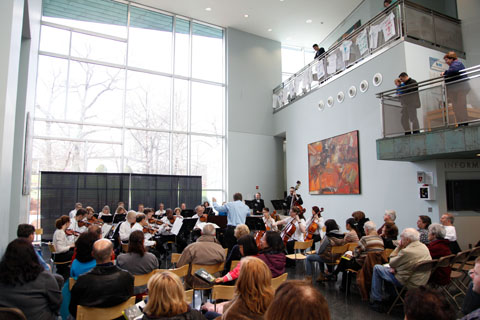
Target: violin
[(312, 227), (204, 217), (172, 219), (288, 231), (83, 223), (94, 220), (275, 215), (155, 221), (147, 229), (70, 232)]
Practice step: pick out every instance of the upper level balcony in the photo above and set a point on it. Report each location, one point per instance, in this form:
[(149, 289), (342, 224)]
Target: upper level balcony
[(435, 119), (403, 21)]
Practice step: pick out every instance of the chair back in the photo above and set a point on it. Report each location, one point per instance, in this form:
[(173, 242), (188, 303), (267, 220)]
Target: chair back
[(460, 260), (352, 246), (175, 258), (276, 282), (475, 253), (445, 261), (386, 253), (71, 283), (181, 272), (87, 313), (51, 247), (339, 249), (125, 247), (223, 292), (302, 245), (189, 296), (424, 266), (214, 268), (234, 264), (12, 314), (142, 279)]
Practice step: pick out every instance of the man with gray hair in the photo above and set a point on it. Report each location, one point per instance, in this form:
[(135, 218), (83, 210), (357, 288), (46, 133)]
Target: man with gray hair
[(104, 286), (207, 251), (403, 259), (389, 216)]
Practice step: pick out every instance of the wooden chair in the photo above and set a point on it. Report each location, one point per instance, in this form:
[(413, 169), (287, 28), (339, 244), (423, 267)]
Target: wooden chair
[(51, 247), (337, 251), (442, 263), (298, 246), (474, 254), (124, 247), (457, 274), (276, 282), (212, 269), (12, 314), (386, 253), (71, 283), (174, 259), (234, 264), (142, 279), (181, 272), (423, 266), (222, 292), (87, 313), (189, 296), (352, 246)]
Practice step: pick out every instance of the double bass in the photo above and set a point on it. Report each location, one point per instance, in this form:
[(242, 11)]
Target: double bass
[(312, 227)]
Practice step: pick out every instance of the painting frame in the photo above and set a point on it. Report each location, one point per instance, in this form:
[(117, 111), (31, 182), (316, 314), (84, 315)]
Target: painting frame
[(334, 165)]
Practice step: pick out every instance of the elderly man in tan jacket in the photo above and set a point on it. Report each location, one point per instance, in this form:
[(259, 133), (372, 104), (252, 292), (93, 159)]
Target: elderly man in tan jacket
[(409, 252), (207, 251)]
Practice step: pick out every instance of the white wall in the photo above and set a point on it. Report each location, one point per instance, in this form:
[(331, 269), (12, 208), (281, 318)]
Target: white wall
[(384, 184), (254, 155), (469, 13)]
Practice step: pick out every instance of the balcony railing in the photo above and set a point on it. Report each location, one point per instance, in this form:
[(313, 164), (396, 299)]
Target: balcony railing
[(402, 19), (436, 104)]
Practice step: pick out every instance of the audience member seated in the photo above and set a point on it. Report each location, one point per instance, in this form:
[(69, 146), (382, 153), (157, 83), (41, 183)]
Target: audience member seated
[(389, 216), (351, 236), (389, 235), (126, 226), (273, 253), (247, 247), (439, 247), (234, 254), (333, 237), (26, 285), (371, 242), (447, 220), (104, 286), (360, 220), (298, 300), (471, 303), (423, 223), (207, 251), (27, 231), (403, 259), (137, 261), (166, 299), (424, 303), (63, 245)]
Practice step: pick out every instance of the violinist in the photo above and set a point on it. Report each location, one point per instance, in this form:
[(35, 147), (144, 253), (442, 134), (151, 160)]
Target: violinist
[(63, 245), (91, 219), (268, 220), (177, 212), (141, 207), (320, 223), (165, 234), (293, 197), (161, 210), (72, 213), (126, 226), (78, 224), (258, 204), (141, 224), (105, 212), (296, 219)]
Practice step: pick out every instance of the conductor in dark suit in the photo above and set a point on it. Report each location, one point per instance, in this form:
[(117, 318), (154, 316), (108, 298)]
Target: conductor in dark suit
[(258, 204), (410, 100)]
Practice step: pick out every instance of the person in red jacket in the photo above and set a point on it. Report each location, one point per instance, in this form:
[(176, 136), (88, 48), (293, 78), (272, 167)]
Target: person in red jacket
[(439, 247), (273, 253)]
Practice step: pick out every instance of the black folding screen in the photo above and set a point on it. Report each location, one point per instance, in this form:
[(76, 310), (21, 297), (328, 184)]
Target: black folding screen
[(61, 190)]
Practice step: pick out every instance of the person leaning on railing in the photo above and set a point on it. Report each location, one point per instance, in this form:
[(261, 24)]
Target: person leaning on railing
[(456, 93)]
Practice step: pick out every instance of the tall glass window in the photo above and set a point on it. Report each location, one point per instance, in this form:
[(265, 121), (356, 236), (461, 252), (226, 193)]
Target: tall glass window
[(127, 88), (294, 59)]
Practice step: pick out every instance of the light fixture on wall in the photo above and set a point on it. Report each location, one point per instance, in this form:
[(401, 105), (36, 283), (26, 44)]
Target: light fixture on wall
[(352, 91), (330, 102), (377, 79), (363, 86), (340, 97), (321, 105)]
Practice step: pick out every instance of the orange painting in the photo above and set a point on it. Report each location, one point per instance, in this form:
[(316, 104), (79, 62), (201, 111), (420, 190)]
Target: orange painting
[(333, 165)]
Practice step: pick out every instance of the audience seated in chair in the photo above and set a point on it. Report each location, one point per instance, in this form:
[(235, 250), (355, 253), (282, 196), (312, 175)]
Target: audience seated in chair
[(333, 237), (234, 254), (207, 251), (389, 216), (439, 247), (104, 286), (423, 223), (247, 247), (360, 221), (471, 303), (298, 300), (26, 285), (167, 300), (273, 253), (137, 261), (63, 246), (351, 236), (447, 220), (424, 303), (389, 235), (403, 259)]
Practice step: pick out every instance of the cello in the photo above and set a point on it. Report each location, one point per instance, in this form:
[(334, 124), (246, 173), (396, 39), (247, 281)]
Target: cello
[(312, 227)]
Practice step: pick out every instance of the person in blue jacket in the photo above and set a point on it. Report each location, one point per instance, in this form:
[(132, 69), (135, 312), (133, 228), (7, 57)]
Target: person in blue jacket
[(456, 90)]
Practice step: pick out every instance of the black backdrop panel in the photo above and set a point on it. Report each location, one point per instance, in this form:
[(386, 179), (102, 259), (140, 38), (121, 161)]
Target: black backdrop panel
[(61, 190)]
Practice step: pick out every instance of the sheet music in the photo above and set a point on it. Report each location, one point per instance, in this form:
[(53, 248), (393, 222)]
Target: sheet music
[(176, 226)]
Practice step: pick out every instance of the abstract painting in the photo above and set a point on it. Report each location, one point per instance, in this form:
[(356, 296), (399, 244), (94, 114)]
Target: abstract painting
[(333, 165)]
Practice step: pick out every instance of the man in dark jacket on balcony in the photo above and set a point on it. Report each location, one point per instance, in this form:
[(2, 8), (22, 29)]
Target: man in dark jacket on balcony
[(104, 286), (410, 101)]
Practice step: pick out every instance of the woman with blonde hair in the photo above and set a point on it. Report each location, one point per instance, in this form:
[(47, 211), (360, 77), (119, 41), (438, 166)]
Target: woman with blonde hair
[(234, 254), (167, 300)]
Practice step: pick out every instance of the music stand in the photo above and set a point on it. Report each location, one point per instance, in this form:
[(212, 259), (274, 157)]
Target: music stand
[(119, 218), (249, 203), (255, 223), (220, 221), (188, 225), (187, 213), (107, 219), (279, 204), (209, 211)]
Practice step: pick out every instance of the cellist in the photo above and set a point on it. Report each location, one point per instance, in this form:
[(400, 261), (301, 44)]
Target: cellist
[(296, 219)]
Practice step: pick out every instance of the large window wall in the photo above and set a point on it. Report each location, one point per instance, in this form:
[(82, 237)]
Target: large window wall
[(294, 59), (126, 88)]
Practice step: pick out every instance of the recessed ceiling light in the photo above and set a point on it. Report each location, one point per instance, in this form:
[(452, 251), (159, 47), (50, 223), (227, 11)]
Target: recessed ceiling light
[(208, 9), (245, 15), (281, 0), (309, 21), (269, 30)]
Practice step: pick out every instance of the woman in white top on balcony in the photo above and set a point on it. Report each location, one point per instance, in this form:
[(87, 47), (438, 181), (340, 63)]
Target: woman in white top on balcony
[(447, 220), (63, 245)]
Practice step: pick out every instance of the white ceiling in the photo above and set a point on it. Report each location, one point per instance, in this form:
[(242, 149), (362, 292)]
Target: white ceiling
[(286, 18)]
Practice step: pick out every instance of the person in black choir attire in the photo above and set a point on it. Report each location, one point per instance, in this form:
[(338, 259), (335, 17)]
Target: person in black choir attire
[(258, 204), (318, 51), (297, 198)]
